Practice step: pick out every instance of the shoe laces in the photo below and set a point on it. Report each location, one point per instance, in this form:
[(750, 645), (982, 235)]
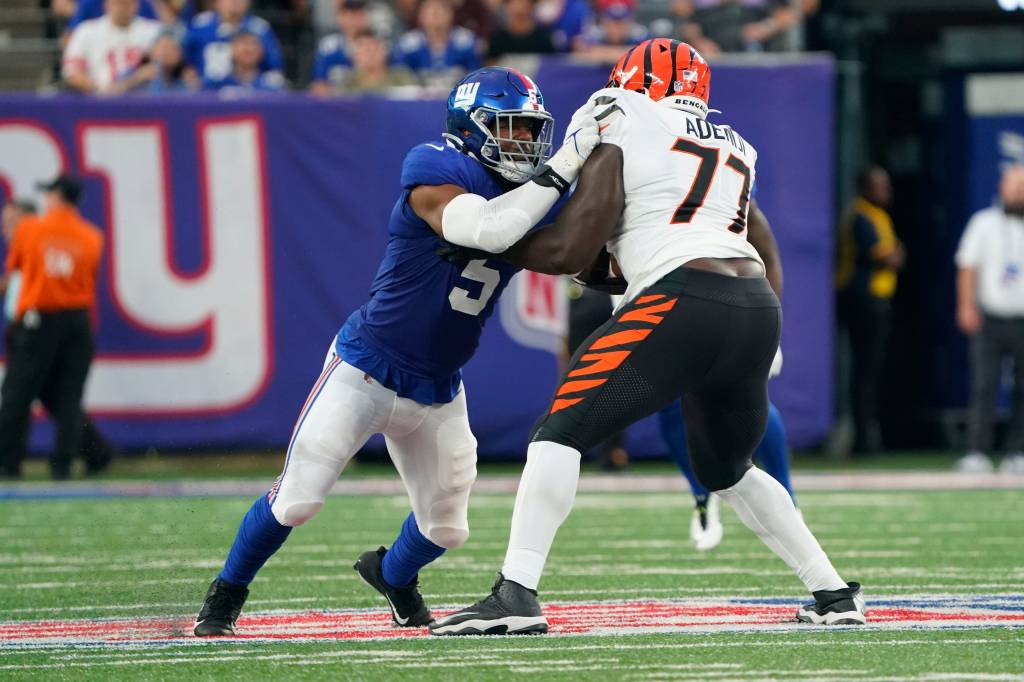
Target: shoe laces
[(224, 602)]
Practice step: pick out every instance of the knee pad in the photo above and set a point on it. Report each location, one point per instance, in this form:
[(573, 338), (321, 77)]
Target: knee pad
[(446, 522), (457, 466), (447, 536), (294, 513)]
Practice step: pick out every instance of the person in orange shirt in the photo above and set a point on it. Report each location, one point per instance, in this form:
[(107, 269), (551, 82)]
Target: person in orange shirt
[(50, 343)]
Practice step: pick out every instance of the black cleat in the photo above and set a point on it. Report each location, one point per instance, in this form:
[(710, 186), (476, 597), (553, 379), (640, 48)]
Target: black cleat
[(220, 609), (407, 607), (510, 609), (835, 607)]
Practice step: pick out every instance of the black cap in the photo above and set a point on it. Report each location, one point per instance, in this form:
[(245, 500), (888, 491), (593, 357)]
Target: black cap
[(353, 4), (68, 186)]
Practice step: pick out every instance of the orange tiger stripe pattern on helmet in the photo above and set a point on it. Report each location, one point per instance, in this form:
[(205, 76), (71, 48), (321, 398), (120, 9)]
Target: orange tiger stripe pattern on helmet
[(662, 67), (607, 361)]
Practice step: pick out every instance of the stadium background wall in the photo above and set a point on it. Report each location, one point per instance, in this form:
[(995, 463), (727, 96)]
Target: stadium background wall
[(212, 328)]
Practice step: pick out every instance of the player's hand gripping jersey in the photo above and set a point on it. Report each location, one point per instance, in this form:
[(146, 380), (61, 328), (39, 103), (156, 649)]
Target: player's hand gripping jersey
[(687, 185)]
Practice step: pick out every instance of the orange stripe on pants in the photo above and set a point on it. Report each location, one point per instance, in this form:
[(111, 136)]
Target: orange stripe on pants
[(581, 385), (620, 338), (603, 362), (563, 403), (647, 314)]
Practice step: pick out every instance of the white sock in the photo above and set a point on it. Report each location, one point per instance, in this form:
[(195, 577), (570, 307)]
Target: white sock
[(766, 508), (543, 501)]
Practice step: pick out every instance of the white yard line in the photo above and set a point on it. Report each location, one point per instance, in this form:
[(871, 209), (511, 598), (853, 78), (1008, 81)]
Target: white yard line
[(373, 656), (589, 483)]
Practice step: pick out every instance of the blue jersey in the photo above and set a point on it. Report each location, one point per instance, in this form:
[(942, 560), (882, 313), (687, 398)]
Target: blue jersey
[(332, 59), (425, 315), (570, 23), (93, 9), (268, 81), (414, 52), (207, 44)]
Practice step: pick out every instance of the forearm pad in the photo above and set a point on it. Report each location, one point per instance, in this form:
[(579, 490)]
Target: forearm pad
[(493, 226)]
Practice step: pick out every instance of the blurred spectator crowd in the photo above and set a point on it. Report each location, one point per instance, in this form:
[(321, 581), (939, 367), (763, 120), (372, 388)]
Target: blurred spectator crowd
[(112, 47)]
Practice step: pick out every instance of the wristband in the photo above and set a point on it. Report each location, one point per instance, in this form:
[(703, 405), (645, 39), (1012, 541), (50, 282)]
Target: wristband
[(547, 177)]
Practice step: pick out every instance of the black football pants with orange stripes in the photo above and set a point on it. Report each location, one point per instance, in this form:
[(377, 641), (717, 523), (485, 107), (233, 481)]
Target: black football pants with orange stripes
[(707, 338)]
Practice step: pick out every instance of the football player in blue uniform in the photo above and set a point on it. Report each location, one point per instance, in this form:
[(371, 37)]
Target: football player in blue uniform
[(395, 366)]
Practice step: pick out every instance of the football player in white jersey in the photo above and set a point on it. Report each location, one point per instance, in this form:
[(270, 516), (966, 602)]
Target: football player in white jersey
[(101, 51), (668, 192)]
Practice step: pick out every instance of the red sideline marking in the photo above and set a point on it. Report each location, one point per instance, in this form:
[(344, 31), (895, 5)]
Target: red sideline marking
[(567, 618)]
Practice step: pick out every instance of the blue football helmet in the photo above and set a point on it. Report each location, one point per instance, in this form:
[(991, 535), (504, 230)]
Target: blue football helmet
[(483, 109)]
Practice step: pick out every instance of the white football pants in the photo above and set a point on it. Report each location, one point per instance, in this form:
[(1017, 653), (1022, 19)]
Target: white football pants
[(431, 445)]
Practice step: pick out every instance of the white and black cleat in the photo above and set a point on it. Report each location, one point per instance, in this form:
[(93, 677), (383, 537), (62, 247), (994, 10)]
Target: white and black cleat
[(835, 607), (220, 610), (706, 524), (408, 609), (510, 609)]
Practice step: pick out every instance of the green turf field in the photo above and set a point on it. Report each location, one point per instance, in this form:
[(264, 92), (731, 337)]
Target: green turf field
[(943, 570)]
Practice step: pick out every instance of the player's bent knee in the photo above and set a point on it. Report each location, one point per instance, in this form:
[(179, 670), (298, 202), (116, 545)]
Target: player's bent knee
[(448, 537), (296, 513), (719, 477)]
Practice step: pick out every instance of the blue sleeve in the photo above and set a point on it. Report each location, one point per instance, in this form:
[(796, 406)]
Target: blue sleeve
[(188, 11), (84, 10), (272, 60), (146, 10), (426, 164), (193, 48), (400, 57), (575, 19), (320, 66)]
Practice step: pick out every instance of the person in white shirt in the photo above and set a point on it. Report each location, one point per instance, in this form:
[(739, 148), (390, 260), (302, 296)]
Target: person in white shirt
[(102, 51), (990, 309)]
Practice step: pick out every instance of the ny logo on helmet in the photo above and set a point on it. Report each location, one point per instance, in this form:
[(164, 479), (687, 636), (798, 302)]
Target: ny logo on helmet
[(465, 95)]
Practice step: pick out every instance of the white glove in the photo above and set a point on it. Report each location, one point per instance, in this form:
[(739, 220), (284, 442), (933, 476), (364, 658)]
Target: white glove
[(776, 368), (580, 139)]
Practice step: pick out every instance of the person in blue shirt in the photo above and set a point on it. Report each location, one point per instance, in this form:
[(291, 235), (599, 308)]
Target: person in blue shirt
[(395, 365), (93, 9), (438, 52), (208, 39), (566, 19), (246, 76), (335, 51)]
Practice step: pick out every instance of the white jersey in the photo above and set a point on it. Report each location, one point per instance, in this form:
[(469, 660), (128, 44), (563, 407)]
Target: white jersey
[(105, 52), (687, 184)]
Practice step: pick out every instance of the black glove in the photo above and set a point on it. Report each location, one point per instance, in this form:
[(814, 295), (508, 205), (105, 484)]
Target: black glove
[(600, 278), (453, 253)]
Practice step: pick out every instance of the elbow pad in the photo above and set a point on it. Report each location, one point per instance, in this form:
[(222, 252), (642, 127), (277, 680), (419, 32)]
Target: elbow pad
[(493, 226)]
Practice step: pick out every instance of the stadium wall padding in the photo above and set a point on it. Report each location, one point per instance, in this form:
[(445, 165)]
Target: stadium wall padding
[(211, 330)]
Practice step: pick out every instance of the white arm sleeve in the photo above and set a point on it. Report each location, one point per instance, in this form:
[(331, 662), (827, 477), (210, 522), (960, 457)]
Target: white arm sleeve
[(493, 226)]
